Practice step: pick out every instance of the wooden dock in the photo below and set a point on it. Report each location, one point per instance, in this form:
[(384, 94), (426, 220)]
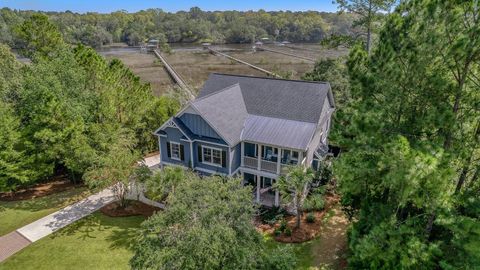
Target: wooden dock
[(175, 76), (243, 62), (301, 48), (261, 48)]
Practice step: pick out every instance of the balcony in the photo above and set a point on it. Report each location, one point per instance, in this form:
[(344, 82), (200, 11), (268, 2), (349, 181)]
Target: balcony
[(250, 162), (269, 159), (268, 166)]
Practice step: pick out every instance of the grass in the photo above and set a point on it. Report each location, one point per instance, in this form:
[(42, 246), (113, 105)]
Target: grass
[(327, 251), (16, 214), (94, 242), (303, 251)]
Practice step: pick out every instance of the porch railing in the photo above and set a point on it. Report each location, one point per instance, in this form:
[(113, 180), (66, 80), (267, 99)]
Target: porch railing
[(250, 162), (268, 166)]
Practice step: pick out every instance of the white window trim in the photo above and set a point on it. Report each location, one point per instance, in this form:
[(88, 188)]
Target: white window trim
[(291, 156), (211, 163), (179, 151)]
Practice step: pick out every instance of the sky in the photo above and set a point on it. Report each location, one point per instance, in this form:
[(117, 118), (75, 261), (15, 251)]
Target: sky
[(106, 6)]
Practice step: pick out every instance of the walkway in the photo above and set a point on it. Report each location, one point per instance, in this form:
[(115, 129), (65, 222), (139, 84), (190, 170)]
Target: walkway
[(17, 240), (11, 243)]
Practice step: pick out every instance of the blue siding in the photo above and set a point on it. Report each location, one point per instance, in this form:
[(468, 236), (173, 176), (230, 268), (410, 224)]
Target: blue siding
[(174, 135), (236, 161), (199, 164), (198, 126)]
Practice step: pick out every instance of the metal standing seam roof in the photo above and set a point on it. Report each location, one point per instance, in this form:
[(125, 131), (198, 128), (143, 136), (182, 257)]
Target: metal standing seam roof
[(278, 132)]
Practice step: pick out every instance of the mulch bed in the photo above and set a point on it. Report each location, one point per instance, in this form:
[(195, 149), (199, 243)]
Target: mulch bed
[(59, 184), (306, 232), (134, 208)]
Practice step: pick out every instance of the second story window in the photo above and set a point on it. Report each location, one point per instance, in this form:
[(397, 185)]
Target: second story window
[(289, 157), (270, 153)]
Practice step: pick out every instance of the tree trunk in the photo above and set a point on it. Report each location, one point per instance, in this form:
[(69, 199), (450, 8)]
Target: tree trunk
[(429, 227), (299, 217), (463, 176), (466, 167), (369, 36), (369, 26), (474, 177)]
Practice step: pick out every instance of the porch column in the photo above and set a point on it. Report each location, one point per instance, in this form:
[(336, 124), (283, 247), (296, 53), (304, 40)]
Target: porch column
[(300, 158), (191, 155), (278, 160), (277, 196), (258, 188), (242, 147), (259, 154), (160, 151)]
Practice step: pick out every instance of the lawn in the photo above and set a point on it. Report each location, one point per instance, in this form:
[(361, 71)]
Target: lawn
[(16, 214), (94, 242)]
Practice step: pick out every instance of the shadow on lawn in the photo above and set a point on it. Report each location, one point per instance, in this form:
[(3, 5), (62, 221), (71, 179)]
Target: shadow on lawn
[(123, 230)]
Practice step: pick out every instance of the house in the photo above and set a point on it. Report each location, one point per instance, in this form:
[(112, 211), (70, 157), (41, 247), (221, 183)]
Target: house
[(250, 126)]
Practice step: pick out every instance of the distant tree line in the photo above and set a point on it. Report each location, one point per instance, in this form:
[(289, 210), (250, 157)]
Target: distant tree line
[(195, 25), (69, 109)]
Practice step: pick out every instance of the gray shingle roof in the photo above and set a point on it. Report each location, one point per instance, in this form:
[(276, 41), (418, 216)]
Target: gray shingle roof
[(284, 99), (280, 132), (270, 111), (225, 111)]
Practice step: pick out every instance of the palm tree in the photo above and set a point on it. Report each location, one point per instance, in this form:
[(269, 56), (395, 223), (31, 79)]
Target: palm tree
[(163, 183), (294, 188)]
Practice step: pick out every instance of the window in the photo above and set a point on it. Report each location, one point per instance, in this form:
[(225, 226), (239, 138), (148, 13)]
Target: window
[(175, 151), (212, 156), (269, 153), (250, 149), (289, 157)]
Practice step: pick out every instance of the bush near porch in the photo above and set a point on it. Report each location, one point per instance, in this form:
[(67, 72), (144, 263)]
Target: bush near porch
[(270, 223)]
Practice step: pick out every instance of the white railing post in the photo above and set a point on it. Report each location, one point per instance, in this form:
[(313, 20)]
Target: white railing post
[(278, 160), (243, 154), (259, 160), (300, 158)]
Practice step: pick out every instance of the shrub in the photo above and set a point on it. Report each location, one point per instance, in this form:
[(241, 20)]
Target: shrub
[(314, 202), (271, 215), (288, 231), (281, 258), (283, 225), (310, 218), (277, 232)]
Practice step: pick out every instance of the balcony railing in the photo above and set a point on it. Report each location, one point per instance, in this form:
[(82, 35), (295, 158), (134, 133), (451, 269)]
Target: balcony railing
[(268, 166), (250, 162)]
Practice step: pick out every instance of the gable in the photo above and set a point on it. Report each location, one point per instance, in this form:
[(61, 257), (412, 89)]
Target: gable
[(198, 126)]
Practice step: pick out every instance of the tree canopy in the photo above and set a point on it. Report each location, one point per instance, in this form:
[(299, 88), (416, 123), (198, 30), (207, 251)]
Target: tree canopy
[(69, 108), (195, 25), (409, 171), (207, 225)]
